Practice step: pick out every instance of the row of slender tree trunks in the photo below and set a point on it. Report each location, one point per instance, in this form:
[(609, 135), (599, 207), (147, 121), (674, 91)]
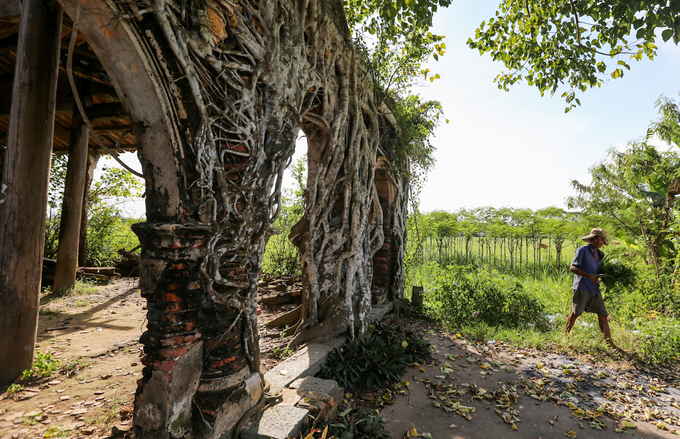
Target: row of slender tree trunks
[(516, 254)]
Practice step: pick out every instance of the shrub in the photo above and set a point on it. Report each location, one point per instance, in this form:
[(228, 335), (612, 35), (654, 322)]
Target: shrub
[(659, 339), (492, 297), (376, 359), (352, 423), (281, 257)]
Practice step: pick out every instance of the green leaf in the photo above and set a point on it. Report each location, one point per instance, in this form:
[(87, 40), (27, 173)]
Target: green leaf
[(667, 34)]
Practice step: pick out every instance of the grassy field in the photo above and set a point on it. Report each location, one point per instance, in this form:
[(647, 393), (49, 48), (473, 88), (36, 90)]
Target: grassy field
[(488, 304)]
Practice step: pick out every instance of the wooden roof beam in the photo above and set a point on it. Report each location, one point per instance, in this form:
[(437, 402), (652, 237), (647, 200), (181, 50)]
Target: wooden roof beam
[(10, 8), (95, 113)]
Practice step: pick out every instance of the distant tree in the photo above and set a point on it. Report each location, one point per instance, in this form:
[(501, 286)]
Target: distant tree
[(560, 226), (636, 191)]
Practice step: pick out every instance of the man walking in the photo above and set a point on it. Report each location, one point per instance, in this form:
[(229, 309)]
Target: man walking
[(587, 296)]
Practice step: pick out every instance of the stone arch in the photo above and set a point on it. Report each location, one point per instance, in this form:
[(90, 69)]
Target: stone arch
[(137, 81), (216, 92)]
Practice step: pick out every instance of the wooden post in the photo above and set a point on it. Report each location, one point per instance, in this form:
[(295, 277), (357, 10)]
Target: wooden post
[(23, 197), (92, 159), (71, 210)]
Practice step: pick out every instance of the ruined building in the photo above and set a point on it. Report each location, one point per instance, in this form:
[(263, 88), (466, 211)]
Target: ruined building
[(212, 95)]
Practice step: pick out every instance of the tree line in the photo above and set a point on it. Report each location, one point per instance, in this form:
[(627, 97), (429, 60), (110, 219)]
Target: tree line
[(510, 239)]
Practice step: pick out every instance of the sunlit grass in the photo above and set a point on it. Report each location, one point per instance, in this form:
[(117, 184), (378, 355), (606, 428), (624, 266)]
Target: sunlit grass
[(647, 336)]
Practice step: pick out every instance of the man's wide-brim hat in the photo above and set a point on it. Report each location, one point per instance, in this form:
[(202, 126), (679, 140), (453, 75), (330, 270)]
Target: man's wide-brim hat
[(595, 233)]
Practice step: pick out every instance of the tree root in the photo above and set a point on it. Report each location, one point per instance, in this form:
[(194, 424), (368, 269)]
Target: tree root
[(287, 319)]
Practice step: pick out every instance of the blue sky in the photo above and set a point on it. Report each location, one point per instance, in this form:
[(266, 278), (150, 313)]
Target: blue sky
[(517, 149)]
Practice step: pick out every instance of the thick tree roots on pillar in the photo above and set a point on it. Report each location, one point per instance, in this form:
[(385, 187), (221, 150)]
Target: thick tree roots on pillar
[(228, 87)]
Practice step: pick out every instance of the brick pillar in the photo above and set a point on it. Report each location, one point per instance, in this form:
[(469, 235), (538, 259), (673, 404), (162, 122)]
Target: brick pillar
[(170, 280), (384, 258), (196, 381)]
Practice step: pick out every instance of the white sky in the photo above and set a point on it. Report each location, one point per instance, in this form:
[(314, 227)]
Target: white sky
[(517, 149)]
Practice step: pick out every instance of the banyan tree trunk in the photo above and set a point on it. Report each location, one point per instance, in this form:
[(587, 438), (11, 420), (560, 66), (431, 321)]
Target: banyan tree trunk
[(217, 92)]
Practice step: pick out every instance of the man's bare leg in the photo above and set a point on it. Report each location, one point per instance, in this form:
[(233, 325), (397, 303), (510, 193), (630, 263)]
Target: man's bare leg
[(604, 327), (571, 320)]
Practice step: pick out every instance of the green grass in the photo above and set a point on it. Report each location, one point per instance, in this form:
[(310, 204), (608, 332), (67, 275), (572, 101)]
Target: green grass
[(652, 337), (43, 366)]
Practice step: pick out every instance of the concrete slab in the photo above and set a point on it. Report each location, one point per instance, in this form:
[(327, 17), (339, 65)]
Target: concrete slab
[(312, 386), (379, 311), (316, 384), (277, 422), (306, 362)]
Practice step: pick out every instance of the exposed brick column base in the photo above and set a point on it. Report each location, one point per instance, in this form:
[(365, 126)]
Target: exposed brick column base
[(170, 280), (196, 382)]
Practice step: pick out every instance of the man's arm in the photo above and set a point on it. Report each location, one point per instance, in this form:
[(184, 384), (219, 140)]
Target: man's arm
[(594, 277)]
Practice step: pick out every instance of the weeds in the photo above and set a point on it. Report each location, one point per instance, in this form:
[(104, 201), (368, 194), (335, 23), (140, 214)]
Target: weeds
[(58, 431), (43, 366), (118, 407), (659, 339), (283, 353), (30, 421), (13, 388), (82, 302), (73, 367)]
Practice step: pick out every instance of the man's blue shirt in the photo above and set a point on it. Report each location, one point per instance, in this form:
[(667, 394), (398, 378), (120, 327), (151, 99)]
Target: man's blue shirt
[(585, 260)]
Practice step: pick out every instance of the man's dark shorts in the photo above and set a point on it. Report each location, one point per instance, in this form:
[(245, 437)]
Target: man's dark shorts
[(586, 301)]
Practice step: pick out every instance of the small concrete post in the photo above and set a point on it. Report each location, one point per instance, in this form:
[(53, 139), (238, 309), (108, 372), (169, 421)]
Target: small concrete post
[(417, 295)]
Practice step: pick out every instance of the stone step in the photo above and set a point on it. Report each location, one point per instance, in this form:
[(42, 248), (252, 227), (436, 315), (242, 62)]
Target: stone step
[(285, 420), (305, 362), (379, 311), (280, 421)]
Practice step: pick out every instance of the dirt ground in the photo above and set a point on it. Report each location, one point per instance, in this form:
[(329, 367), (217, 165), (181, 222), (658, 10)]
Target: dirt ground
[(466, 390), (491, 390), (93, 336)]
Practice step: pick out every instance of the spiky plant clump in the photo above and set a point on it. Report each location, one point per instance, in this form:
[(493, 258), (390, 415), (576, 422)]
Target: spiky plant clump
[(376, 359), (351, 423)]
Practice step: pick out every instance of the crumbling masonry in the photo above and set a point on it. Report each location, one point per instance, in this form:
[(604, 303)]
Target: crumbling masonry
[(217, 92)]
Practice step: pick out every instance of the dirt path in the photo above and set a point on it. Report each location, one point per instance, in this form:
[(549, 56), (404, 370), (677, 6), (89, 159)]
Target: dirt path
[(487, 391), (93, 336)]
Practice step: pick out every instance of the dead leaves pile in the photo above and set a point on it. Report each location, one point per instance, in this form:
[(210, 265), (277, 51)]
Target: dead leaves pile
[(589, 392), (626, 397)]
